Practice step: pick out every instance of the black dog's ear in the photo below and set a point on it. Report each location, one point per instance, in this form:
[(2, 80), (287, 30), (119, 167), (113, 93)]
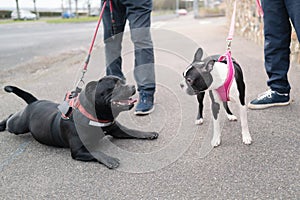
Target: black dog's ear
[(198, 55), (89, 91), (210, 65), (90, 87)]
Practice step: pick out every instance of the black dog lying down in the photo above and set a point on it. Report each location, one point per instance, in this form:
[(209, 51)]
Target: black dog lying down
[(94, 116)]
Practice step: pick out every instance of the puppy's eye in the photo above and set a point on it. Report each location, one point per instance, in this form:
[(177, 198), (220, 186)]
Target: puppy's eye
[(189, 80)]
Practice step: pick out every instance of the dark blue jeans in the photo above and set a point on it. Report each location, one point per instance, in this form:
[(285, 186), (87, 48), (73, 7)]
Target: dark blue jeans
[(138, 13), (277, 31)]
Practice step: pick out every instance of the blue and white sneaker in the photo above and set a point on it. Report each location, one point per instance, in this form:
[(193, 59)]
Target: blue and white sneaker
[(145, 105), (269, 99)]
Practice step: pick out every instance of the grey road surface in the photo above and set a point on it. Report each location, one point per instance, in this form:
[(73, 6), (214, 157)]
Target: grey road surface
[(180, 164), (22, 42)]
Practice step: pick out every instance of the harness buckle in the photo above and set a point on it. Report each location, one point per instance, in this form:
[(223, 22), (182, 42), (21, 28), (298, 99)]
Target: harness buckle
[(67, 106)]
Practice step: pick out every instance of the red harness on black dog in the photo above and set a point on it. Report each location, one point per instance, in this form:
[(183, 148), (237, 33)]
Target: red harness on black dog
[(72, 102)]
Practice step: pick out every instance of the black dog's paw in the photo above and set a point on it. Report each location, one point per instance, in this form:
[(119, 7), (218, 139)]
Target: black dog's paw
[(153, 136), (9, 88), (111, 162), (2, 126)]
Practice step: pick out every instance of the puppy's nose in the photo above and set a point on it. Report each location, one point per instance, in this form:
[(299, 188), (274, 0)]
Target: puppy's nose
[(181, 85)]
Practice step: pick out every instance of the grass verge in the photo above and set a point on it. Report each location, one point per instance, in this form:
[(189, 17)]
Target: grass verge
[(72, 20)]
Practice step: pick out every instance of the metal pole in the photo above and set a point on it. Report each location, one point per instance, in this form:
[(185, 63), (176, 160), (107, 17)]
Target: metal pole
[(177, 8), (196, 8), (18, 9), (206, 3), (35, 10), (70, 6), (76, 8)]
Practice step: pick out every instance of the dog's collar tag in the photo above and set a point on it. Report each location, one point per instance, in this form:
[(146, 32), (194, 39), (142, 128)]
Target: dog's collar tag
[(100, 124)]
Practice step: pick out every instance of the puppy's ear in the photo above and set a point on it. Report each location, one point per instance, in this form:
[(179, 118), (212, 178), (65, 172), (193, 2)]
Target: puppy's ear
[(210, 65), (198, 55)]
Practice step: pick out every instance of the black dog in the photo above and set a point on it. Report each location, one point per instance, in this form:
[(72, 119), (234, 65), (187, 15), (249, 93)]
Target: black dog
[(93, 117), (211, 75)]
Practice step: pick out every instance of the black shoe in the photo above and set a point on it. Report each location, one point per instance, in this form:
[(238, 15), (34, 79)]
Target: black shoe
[(145, 105), (269, 99)]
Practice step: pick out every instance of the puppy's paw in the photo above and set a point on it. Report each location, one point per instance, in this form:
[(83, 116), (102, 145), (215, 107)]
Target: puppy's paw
[(111, 162), (231, 117), (246, 138), (216, 141), (199, 121)]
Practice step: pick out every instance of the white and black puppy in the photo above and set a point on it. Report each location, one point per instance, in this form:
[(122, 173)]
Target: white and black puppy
[(211, 75)]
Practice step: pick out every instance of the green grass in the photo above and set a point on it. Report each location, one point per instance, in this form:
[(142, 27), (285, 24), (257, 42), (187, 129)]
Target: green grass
[(9, 21), (55, 20), (72, 20), (80, 19)]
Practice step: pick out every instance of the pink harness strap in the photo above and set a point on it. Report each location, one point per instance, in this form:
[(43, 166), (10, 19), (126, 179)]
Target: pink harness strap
[(223, 91)]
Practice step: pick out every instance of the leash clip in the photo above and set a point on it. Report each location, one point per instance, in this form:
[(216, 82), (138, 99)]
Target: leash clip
[(81, 81), (229, 41)]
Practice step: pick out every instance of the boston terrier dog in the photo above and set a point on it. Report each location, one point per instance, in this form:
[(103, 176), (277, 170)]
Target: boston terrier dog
[(223, 83)]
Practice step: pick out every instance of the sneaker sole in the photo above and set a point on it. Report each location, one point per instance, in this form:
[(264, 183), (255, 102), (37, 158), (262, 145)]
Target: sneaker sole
[(264, 106), (144, 112)]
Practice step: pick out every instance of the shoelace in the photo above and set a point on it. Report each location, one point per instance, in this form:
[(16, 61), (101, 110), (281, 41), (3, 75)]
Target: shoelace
[(267, 94), (144, 98)]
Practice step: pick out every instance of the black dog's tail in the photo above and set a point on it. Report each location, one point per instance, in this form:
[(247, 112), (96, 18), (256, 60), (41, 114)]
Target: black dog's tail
[(29, 98)]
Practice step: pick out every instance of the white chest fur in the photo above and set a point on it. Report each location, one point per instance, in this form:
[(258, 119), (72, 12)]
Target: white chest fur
[(219, 74)]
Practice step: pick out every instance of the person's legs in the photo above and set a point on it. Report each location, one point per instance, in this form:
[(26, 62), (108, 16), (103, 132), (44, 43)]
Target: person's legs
[(277, 33), (113, 38), (293, 7), (139, 16)]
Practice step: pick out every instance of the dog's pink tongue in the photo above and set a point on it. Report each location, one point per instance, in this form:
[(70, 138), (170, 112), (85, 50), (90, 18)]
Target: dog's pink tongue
[(128, 102), (132, 101)]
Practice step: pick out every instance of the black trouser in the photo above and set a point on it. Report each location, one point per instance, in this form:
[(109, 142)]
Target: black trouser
[(138, 13), (277, 30)]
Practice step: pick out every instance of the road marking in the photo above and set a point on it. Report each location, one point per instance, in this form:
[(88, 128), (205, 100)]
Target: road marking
[(205, 22), (158, 24), (22, 147)]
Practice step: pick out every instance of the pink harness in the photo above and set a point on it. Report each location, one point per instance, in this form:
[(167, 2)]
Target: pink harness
[(223, 90)]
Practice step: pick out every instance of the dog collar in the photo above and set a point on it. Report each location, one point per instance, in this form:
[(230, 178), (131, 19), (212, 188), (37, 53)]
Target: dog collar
[(100, 124), (223, 90), (74, 103), (93, 121)]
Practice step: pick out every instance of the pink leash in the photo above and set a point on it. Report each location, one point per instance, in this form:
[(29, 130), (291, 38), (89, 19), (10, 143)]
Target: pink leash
[(223, 91), (259, 8), (225, 88)]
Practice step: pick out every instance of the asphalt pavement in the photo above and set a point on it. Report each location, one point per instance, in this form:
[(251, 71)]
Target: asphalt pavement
[(180, 164)]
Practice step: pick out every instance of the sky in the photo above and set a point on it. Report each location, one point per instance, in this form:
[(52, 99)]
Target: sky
[(45, 3)]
